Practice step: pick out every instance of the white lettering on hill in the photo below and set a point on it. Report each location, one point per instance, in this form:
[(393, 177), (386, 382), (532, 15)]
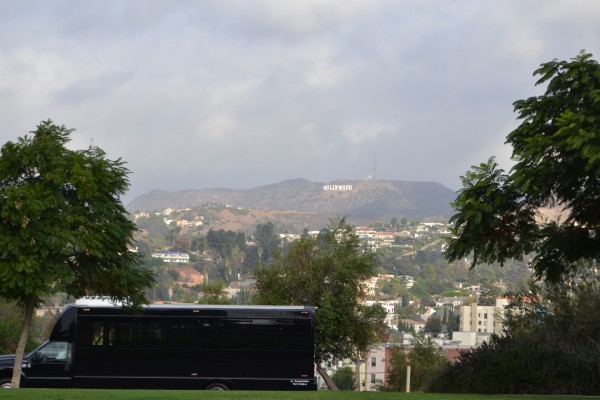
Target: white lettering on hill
[(337, 187)]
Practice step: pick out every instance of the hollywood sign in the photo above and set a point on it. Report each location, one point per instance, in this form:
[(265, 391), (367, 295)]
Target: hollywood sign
[(337, 187)]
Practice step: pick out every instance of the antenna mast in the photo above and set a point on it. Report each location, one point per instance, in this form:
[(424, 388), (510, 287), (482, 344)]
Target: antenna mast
[(375, 167)]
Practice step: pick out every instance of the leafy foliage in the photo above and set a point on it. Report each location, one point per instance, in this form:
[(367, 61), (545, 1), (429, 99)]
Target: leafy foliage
[(425, 358), (223, 242), (557, 153), (326, 272), (433, 325), (551, 346), (266, 240), (11, 324), (344, 378), (63, 226), (214, 293)]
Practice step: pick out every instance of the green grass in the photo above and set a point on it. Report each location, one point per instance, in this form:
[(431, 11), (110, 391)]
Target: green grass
[(95, 394)]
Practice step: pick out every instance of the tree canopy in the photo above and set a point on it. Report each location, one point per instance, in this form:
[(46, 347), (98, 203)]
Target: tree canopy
[(327, 272), (551, 345), (424, 356), (64, 227), (556, 150)]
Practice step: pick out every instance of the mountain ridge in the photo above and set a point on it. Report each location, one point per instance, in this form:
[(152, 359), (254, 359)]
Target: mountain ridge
[(360, 199)]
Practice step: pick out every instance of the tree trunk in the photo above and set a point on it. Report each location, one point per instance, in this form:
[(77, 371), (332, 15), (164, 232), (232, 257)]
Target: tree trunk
[(357, 375), (29, 308), (360, 358), (330, 384)]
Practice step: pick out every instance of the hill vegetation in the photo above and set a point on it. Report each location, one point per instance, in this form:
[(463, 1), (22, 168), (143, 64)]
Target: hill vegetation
[(303, 203)]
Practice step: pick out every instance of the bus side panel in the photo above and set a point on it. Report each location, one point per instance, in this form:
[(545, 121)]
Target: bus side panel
[(165, 351)]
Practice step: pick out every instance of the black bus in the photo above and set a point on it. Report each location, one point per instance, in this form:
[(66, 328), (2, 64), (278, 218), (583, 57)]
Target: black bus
[(174, 347)]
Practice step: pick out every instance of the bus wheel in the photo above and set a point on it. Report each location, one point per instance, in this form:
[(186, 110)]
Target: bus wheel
[(5, 383), (217, 386)]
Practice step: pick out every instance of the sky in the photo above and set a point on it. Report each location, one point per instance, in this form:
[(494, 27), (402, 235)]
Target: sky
[(243, 93)]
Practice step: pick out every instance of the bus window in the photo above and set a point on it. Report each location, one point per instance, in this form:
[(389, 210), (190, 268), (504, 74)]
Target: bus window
[(179, 333), (266, 334), (120, 333), (149, 333), (90, 332), (238, 334), (209, 334), (297, 335)]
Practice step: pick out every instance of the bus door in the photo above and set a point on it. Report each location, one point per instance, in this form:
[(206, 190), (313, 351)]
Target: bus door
[(49, 366)]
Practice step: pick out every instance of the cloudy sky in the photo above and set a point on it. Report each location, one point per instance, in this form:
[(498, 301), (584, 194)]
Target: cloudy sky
[(243, 93)]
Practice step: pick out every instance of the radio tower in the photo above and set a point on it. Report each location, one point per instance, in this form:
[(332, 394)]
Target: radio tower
[(375, 168)]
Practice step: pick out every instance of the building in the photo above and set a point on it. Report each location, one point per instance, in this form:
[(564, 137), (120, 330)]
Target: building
[(477, 323), (483, 319), (390, 308), (172, 256), (184, 223), (377, 366)]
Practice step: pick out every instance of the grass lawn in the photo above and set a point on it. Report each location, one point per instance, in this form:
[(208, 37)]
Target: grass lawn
[(95, 394)]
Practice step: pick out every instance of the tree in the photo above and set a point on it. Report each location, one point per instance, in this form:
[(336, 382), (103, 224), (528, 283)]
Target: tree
[(557, 153), (63, 227), (11, 326), (433, 325), (426, 359), (344, 378), (223, 242), (214, 293), (267, 240), (489, 293), (551, 345), (326, 272)]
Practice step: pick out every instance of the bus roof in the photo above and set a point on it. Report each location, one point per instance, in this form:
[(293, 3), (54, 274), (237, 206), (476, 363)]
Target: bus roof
[(95, 303)]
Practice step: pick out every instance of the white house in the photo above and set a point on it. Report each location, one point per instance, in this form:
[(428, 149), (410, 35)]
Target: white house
[(172, 256)]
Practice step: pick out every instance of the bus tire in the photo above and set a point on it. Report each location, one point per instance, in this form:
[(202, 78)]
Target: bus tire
[(217, 386), (5, 383)]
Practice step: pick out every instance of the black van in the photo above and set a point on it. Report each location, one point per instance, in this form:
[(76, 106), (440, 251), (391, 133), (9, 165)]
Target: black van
[(184, 346)]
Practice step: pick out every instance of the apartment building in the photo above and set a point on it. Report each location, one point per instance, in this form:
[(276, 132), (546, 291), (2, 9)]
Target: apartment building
[(483, 319)]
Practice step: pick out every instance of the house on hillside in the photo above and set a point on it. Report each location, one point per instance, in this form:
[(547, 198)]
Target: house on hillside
[(189, 276), (172, 256)]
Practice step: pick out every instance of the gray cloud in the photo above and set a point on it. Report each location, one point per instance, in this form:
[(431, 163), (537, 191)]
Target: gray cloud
[(196, 94)]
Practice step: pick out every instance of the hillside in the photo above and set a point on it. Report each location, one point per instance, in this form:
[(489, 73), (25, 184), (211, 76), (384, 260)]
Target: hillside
[(362, 200)]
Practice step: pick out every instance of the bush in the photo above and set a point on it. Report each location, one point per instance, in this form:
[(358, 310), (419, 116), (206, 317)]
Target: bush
[(344, 378), (551, 346), (11, 325), (425, 357)]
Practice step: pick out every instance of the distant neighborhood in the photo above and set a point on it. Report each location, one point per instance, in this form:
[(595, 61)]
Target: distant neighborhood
[(459, 319)]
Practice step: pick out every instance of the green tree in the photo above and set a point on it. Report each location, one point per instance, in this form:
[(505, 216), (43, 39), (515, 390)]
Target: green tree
[(11, 326), (267, 240), (344, 378), (489, 293), (214, 293), (326, 272), (426, 359), (64, 227), (158, 231), (223, 242), (405, 327), (396, 378), (433, 325), (551, 345), (557, 153)]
